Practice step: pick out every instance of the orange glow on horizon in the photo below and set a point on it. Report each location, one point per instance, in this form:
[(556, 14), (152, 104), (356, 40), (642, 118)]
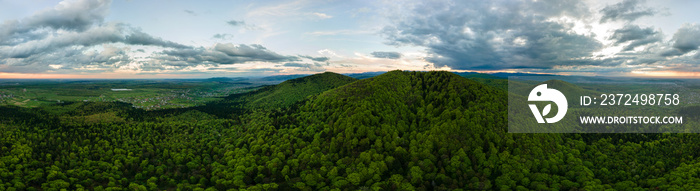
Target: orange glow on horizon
[(667, 74), (5, 75)]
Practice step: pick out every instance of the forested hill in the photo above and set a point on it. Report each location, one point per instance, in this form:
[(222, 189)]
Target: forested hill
[(291, 91), (395, 131), (402, 131), (268, 98)]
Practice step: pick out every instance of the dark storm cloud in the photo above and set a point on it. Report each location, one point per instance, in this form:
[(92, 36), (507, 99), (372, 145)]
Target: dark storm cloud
[(687, 38), (636, 36), (492, 35), (223, 54), (317, 59), (627, 10), (389, 55)]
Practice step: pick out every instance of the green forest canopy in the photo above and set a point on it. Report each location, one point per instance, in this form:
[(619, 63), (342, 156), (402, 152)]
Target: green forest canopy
[(396, 131)]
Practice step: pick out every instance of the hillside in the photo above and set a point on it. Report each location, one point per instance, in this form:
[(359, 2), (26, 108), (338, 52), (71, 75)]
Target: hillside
[(396, 131), (291, 91), (283, 77), (405, 130)]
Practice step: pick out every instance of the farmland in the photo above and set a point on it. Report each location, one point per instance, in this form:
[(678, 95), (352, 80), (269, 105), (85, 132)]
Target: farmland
[(145, 94)]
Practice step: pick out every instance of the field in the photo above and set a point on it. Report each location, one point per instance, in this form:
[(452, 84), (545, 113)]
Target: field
[(146, 94)]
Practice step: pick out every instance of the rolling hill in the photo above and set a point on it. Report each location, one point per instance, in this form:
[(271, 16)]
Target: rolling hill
[(291, 91), (282, 77), (395, 131)]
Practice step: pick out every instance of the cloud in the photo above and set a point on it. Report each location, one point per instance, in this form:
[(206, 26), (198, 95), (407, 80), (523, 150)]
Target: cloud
[(222, 54), (263, 70), (322, 15), (223, 68), (73, 37), (222, 36), (491, 35), (279, 9), (236, 23), (687, 38), (290, 10), (97, 35), (389, 55), (67, 60), (108, 33), (190, 12), (67, 38), (636, 36), (627, 10), (317, 59), (241, 23), (294, 64), (340, 32), (254, 51), (139, 38), (71, 15), (316, 67)]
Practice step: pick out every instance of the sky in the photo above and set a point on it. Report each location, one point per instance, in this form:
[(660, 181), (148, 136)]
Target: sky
[(201, 39)]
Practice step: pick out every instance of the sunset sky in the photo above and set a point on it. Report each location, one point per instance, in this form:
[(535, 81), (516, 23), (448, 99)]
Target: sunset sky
[(200, 39)]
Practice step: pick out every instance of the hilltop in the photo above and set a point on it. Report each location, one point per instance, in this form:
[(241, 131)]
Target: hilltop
[(398, 130), (291, 91)]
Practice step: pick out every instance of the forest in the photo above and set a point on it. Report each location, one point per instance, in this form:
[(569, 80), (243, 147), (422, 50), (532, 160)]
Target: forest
[(399, 130)]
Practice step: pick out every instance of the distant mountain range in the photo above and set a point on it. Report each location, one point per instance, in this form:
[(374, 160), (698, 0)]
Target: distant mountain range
[(365, 75)]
